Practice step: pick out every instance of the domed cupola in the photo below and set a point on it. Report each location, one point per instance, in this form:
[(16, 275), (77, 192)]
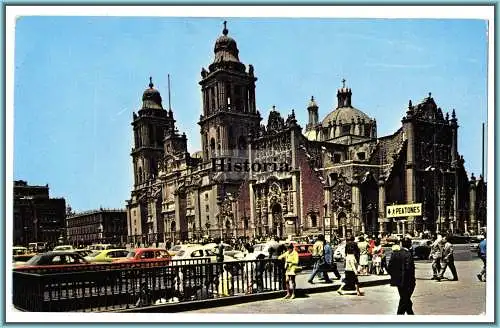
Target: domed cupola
[(226, 53), (348, 120), (151, 97)]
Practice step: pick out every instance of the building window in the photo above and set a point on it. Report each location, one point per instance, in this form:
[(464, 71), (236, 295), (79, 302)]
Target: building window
[(361, 156), (314, 221), (207, 208), (346, 129), (336, 158)]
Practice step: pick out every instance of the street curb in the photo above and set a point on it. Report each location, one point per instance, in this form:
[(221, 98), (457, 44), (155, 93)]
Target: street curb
[(232, 300), (206, 304), (330, 288)]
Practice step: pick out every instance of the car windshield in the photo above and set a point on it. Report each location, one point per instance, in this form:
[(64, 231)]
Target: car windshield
[(94, 254), (34, 260), (176, 248), (180, 253), (130, 254)]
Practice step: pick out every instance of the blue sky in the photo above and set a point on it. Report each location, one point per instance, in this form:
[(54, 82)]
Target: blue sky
[(78, 80)]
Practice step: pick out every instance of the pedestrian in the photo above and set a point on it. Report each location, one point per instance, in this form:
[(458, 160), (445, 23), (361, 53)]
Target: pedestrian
[(329, 264), (448, 260), (402, 271), (291, 258), (482, 254), (319, 258), (363, 256), (351, 268), (435, 255)]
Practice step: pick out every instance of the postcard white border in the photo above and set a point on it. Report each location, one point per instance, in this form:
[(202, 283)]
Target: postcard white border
[(474, 12)]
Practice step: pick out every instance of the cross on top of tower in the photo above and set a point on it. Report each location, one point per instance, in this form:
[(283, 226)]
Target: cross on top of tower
[(343, 83), (225, 30), (151, 82)]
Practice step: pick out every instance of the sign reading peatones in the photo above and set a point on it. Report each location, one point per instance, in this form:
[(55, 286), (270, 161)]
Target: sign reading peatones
[(395, 211)]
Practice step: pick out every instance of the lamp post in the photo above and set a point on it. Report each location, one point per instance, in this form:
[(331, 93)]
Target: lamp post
[(325, 207), (225, 210)]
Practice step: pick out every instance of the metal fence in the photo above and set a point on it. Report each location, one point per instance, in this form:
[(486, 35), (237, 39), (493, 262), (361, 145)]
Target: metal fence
[(125, 288)]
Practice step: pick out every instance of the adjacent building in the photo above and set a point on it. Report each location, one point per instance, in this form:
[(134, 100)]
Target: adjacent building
[(102, 226), (37, 217), (254, 178)]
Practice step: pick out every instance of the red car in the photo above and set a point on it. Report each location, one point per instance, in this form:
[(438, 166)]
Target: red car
[(147, 255), (305, 255)]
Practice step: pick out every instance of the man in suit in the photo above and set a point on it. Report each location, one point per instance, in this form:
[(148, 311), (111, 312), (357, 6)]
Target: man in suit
[(402, 270), (448, 260)]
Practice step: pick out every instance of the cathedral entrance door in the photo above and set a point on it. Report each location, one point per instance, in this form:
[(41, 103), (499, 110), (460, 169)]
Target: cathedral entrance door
[(277, 220)]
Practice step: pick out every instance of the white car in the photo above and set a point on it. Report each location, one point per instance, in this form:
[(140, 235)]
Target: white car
[(228, 250), (199, 252)]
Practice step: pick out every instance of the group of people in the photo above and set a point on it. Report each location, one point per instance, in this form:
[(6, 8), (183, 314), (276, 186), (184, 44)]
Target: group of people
[(442, 258)]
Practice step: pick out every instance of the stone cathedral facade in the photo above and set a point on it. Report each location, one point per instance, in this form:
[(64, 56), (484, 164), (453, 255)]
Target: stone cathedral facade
[(259, 176)]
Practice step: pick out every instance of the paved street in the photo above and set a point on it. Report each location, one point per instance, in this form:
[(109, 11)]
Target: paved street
[(464, 297)]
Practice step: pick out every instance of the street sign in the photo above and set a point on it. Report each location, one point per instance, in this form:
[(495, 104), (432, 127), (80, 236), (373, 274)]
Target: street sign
[(396, 211)]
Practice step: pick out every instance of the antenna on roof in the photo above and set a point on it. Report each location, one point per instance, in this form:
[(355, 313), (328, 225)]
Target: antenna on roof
[(168, 77)]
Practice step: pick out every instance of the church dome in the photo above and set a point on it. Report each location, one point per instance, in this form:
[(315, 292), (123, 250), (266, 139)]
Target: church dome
[(345, 115), (151, 97), (226, 53)]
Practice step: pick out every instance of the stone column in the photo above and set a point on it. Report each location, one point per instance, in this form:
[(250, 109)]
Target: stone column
[(356, 206), (472, 205), (411, 190)]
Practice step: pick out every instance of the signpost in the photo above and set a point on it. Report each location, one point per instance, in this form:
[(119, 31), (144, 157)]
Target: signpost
[(406, 210), (396, 211)]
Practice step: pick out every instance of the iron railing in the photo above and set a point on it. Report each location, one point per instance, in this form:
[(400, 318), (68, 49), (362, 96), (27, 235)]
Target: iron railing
[(125, 288)]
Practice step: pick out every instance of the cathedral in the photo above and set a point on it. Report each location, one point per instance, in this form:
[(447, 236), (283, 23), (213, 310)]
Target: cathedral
[(261, 177)]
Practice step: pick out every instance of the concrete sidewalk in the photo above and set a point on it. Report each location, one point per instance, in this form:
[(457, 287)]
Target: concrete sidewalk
[(319, 286)]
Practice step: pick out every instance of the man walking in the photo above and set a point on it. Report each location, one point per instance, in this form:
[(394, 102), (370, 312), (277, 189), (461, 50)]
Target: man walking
[(330, 265), (319, 258), (448, 260), (482, 255), (435, 255), (402, 270)]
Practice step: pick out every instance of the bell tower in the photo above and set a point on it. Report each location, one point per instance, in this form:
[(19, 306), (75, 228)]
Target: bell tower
[(150, 125), (229, 110)]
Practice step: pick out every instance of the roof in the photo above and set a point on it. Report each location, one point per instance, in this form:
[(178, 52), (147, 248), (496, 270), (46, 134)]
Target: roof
[(344, 115)]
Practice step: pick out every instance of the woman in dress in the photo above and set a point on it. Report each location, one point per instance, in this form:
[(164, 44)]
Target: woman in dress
[(351, 278), (291, 263), (363, 256)]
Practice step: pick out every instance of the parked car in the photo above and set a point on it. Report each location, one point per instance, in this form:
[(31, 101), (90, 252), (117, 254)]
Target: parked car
[(107, 256), (421, 248), (339, 253), (305, 254), (54, 258), (228, 250), (19, 250), (176, 248), (84, 251), (199, 252), (63, 248), (146, 255), (20, 255), (101, 247)]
